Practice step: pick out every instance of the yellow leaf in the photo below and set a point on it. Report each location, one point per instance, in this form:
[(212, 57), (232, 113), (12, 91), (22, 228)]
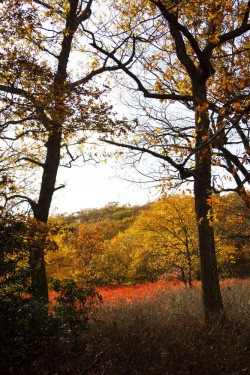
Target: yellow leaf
[(200, 220)]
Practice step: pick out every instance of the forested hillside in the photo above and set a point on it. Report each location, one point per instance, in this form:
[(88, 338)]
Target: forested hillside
[(126, 245)]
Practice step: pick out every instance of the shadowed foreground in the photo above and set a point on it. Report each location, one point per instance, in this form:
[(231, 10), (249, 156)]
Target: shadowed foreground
[(154, 329)]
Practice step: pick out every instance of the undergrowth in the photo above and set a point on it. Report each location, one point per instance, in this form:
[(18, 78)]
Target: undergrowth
[(165, 334), (161, 332)]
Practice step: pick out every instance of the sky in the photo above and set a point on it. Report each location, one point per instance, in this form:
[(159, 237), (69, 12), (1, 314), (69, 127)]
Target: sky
[(96, 186)]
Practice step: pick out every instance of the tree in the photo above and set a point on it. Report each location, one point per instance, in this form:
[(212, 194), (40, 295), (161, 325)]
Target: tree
[(116, 264), (232, 231), (79, 249), (46, 108), (14, 275), (88, 247), (195, 53), (172, 219), (60, 259)]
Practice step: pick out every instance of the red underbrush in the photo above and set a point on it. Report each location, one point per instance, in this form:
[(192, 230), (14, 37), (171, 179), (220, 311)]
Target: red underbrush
[(128, 294), (116, 294)]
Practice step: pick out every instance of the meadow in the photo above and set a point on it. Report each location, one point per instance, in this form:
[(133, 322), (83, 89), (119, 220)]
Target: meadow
[(158, 329)]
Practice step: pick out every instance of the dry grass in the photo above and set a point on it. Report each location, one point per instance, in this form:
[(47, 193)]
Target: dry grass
[(162, 332)]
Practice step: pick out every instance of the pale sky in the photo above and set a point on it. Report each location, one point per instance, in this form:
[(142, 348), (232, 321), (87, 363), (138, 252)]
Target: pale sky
[(96, 186)]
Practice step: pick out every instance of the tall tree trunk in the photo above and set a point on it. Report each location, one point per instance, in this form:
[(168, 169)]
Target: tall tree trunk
[(211, 294), (189, 260), (37, 262), (52, 162), (189, 270), (183, 276), (39, 284)]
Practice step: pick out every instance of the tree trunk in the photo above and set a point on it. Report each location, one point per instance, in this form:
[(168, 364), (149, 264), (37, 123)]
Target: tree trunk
[(189, 271), (52, 162), (39, 282), (183, 276), (189, 262), (211, 294)]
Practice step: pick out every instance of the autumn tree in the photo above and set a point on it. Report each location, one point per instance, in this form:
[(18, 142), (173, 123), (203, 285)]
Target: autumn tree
[(196, 54), (173, 219), (161, 240), (49, 104), (231, 217), (59, 260)]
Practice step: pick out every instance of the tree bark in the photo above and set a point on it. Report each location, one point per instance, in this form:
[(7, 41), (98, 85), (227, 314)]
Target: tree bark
[(39, 284), (183, 276), (189, 268), (211, 294)]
